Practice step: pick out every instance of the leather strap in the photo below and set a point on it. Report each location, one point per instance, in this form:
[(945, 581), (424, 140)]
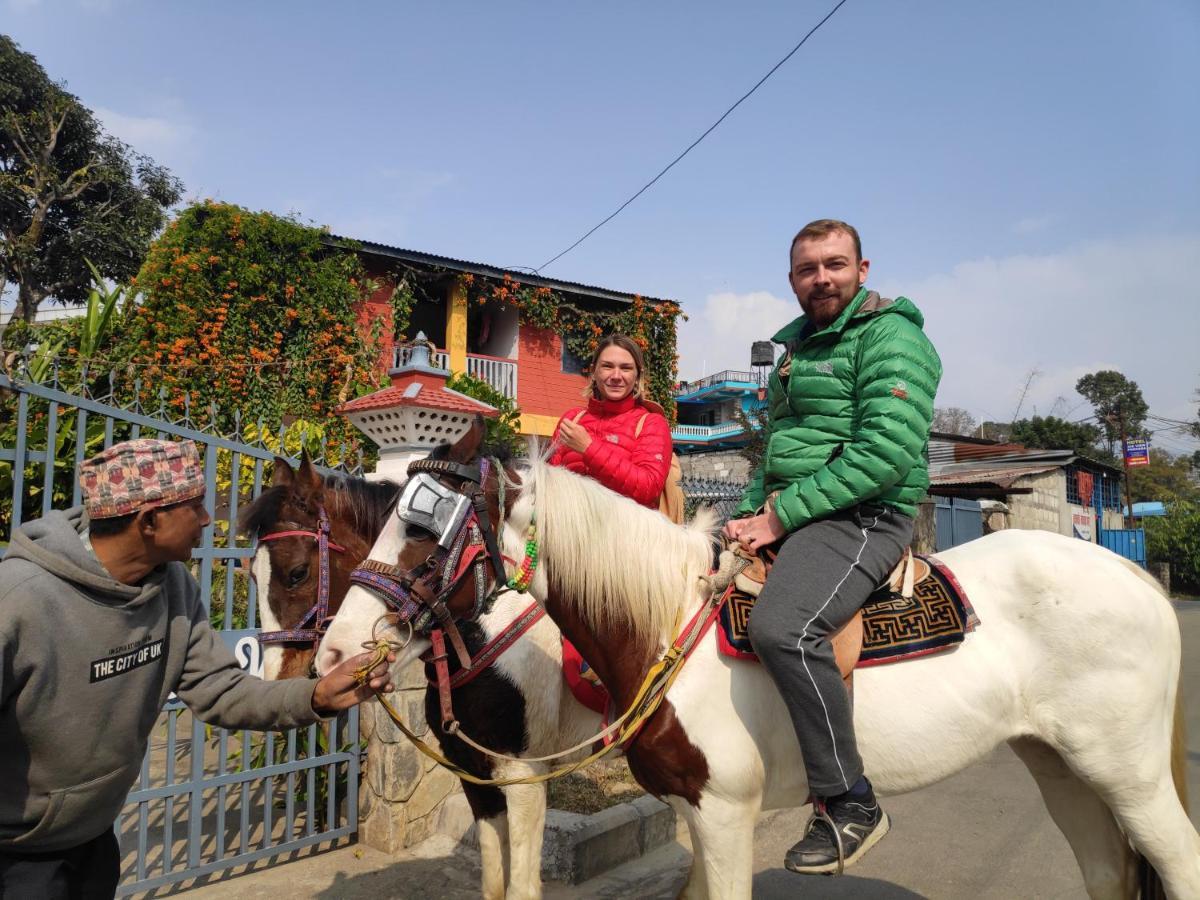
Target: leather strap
[(442, 670), (445, 467), (437, 606), (496, 647), (479, 504), (381, 568)]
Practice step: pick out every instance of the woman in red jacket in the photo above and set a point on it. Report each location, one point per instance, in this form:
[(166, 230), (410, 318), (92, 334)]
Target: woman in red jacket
[(621, 438)]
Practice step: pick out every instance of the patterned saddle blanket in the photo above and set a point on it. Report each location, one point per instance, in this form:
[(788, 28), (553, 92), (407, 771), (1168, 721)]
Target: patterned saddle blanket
[(894, 627), (921, 610)]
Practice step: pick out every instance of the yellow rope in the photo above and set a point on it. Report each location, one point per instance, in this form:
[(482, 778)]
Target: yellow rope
[(649, 697)]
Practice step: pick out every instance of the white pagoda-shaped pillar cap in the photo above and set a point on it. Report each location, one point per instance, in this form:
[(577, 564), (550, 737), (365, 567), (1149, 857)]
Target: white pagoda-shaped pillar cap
[(415, 414)]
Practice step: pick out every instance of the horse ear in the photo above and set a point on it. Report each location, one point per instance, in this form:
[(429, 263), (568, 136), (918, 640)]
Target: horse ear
[(308, 480), (282, 474), (467, 446)]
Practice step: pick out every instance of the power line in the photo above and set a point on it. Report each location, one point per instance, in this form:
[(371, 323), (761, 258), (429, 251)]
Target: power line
[(693, 144)]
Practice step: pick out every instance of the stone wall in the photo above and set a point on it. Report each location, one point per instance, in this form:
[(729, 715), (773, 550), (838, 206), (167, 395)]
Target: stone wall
[(401, 790), (1045, 507), (727, 465)]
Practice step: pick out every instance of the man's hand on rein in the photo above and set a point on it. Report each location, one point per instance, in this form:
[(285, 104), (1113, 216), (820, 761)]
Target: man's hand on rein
[(339, 689), (761, 530)]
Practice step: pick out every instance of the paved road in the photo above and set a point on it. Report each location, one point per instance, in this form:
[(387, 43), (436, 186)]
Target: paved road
[(983, 835)]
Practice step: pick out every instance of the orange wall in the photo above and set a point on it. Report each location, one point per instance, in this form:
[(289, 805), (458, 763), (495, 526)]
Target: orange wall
[(542, 388)]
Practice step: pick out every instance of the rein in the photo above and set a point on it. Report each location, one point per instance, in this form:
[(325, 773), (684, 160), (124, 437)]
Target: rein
[(642, 708), (318, 613), (417, 602)]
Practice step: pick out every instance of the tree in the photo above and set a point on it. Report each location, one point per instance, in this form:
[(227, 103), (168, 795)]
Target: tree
[(756, 425), (1121, 410), (1166, 479), (1120, 407), (1175, 539), (994, 431), (502, 431), (69, 193), (1052, 433), (954, 420), (252, 312)]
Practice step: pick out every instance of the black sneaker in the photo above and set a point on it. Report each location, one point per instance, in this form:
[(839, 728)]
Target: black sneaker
[(858, 820)]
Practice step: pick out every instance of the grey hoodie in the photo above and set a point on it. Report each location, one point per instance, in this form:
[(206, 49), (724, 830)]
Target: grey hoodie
[(86, 664)]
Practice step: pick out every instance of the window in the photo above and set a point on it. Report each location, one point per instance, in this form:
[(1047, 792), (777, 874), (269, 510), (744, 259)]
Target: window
[(1109, 486), (1073, 486), (572, 364), (1111, 492)]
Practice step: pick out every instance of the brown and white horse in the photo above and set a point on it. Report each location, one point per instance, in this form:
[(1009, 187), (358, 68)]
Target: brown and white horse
[(518, 706), (1076, 666)]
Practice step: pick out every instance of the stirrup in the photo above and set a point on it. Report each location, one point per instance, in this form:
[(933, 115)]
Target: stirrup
[(821, 814)]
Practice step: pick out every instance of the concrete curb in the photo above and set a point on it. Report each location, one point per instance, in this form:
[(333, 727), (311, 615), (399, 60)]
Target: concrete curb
[(578, 847)]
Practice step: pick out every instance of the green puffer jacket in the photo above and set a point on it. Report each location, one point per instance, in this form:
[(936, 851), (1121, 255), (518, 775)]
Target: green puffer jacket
[(850, 411)]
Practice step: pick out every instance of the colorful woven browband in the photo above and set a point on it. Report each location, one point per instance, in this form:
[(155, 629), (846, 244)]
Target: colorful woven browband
[(395, 595)]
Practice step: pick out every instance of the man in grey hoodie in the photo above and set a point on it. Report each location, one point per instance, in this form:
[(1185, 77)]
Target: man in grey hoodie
[(100, 621)]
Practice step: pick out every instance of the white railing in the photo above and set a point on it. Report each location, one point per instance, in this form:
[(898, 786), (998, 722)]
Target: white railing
[(501, 374), (439, 359), (705, 432)]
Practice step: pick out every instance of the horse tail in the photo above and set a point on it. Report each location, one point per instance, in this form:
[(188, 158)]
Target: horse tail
[(1179, 748), (1149, 883)]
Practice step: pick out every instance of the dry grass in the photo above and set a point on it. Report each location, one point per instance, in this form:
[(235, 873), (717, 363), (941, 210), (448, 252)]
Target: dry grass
[(603, 784)]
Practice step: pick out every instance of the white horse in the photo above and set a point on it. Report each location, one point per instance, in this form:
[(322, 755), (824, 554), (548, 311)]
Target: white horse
[(1076, 666)]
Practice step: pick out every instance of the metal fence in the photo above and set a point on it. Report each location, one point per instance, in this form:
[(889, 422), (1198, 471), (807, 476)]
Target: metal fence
[(1127, 542), (207, 799), (723, 496)]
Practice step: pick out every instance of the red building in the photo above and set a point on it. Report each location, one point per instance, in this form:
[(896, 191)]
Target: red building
[(531, 365)]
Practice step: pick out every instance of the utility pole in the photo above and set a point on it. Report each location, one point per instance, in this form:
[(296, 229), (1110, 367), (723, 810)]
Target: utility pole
[(1120, 417)]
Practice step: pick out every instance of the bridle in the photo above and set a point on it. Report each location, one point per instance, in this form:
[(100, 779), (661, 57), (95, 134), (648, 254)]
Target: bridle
[(417, 598), (318, 613)]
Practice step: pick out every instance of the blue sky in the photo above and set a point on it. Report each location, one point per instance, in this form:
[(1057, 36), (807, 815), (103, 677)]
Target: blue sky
[(1026, 172)]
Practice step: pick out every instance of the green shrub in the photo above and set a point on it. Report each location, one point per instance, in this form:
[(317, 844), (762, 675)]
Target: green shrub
[(1175, 539)]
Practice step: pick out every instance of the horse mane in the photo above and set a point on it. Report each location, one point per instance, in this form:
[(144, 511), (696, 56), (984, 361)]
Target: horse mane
[(617, 562), (365, 503)]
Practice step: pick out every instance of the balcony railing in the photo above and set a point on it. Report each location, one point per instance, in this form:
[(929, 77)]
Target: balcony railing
[(501, 374), (690, 387), (705, 432), (439, 359)]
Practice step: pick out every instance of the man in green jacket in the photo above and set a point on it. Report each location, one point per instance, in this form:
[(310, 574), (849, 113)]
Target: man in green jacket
[(850, 403)]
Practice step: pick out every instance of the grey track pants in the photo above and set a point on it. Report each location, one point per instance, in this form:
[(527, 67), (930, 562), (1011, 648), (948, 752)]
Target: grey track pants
[(823, 575)]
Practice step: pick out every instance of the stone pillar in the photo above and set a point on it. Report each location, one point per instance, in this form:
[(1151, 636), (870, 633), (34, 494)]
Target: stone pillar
[(1161, 571), (401, 791), (393, 463)]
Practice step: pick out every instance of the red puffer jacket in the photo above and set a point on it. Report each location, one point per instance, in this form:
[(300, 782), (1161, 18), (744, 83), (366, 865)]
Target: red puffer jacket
[(634, 466)]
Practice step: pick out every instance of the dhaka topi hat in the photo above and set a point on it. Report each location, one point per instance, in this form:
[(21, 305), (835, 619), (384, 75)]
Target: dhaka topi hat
[(136, 474)]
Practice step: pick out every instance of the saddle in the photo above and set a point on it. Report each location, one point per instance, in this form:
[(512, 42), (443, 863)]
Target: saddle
[(918, 609)]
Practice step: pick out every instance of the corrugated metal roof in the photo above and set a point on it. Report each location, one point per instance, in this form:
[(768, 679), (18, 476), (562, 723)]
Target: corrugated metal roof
[(999, 475), (489, 271)]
